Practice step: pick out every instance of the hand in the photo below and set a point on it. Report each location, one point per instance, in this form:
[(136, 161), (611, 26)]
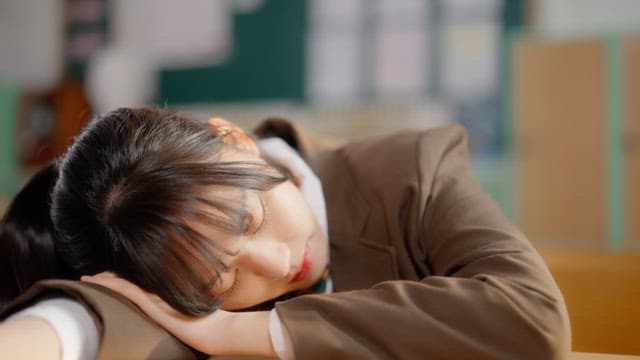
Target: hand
[(233, 135), (220, 333)]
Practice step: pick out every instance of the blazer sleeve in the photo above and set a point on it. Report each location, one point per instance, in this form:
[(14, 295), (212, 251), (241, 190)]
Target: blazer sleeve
[(125, 332), (489, 295)]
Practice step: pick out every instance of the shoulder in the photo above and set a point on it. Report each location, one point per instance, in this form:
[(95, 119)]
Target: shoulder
[(409, 156), (125, 331), (428, 144), (435, 136)]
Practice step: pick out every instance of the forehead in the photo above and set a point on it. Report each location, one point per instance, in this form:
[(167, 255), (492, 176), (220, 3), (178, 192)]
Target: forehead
[(249, 211), (245, 205)]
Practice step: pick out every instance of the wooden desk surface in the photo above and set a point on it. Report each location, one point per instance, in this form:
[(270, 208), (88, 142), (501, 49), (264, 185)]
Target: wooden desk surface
[(595, 356), (602, 295)]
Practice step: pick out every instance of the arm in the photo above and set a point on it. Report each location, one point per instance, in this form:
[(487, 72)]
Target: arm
[(220, 333), (486, 293), (17, 339), (124, 332), (77, 333)]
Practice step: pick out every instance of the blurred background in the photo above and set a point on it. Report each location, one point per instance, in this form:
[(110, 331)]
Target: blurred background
[(548, 90)]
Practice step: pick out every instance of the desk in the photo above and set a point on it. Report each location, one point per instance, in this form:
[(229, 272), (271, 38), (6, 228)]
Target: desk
[(602, 295), (594, 356)]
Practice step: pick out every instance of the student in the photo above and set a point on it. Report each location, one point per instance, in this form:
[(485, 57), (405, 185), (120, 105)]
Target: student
[(422, 261)]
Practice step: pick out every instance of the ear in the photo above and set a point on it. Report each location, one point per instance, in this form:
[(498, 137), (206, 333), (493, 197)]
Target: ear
[(233, 135)]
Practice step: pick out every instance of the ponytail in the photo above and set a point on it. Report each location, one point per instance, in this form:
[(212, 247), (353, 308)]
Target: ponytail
[(27, 241)]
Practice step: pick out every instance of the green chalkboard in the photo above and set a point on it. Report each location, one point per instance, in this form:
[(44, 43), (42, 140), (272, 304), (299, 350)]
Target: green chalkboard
[(267, 61), (9, 169)]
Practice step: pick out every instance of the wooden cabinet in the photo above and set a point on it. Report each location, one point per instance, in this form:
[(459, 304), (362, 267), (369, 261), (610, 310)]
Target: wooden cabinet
[(571, 101)]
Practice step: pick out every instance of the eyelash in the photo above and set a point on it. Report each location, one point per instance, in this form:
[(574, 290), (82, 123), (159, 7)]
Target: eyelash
[(263, 225)]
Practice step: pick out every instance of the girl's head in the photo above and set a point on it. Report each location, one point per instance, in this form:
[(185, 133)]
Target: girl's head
[(183, 208), (27, 247)]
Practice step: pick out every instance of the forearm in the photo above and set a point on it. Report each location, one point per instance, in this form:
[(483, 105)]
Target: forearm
[(444, 317), (28, 338), (222, 333), (248, 334)]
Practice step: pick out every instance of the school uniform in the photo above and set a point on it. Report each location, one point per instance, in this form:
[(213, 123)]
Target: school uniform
[(423, 263)]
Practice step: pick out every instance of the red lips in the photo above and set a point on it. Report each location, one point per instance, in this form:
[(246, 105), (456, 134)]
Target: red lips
[(305, 266)]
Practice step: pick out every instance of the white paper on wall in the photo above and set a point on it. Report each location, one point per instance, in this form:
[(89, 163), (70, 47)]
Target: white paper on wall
[(177, 33), (31, 43), (334, 68), (585, 17), (335, 15), (402, 13), (401, 63), (334, 51), (401, 49), (119, 76), (470, 66), (470, 48)]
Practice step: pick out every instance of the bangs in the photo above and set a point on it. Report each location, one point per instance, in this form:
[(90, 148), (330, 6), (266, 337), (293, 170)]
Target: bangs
[(172, 256)]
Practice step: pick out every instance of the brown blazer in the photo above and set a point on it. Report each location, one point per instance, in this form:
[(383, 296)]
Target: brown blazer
[(424, 263)]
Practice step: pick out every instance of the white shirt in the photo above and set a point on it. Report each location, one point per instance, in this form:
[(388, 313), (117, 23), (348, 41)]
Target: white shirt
[(74, 326)]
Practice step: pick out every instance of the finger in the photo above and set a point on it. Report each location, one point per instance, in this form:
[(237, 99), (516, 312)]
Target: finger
[(233, 135), (222, 127), (104, 274), (216, 121), (244, 142)]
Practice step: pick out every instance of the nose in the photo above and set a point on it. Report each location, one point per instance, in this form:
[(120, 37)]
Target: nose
[(268, 258)]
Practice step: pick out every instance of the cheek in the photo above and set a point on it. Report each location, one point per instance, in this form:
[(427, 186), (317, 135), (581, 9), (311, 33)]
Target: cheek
[(253, 290), (291, 208)]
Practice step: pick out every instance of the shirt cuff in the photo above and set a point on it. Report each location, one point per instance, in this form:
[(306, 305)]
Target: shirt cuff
[(76, 330), (280, 337)]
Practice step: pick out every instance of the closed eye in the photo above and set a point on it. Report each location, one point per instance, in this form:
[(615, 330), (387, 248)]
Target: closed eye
[(261, 227)]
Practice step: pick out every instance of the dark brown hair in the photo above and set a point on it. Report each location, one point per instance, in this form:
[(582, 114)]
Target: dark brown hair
[(27, 246), (129, 188)]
